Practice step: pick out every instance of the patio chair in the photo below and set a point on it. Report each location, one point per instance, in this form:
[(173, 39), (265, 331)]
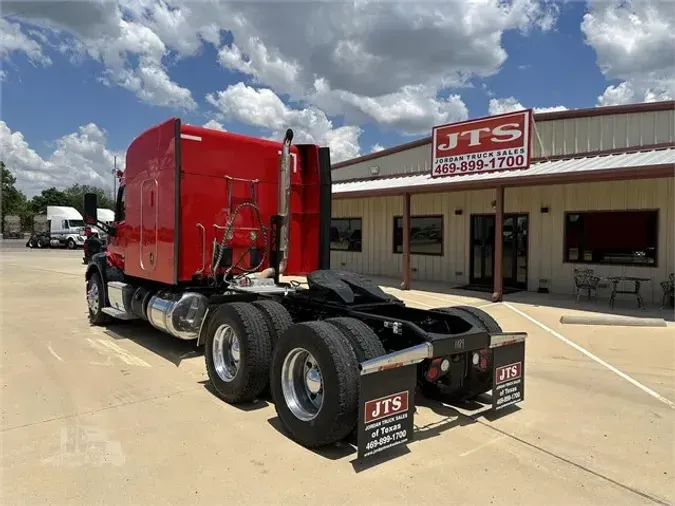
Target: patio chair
[(585, 280), (668, 289)]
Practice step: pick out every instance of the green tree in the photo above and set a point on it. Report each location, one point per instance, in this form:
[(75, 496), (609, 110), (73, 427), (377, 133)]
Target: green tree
[(14, 202), (48, 197), (75, 195)]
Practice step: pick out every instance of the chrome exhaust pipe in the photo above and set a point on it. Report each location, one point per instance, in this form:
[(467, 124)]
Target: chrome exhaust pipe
[(285, 200)]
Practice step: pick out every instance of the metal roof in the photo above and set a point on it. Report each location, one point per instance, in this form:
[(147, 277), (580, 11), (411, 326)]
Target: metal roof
[(544, 168)]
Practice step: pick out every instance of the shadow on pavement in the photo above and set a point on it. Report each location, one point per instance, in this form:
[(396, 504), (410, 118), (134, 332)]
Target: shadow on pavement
[(171, 349), (625, 305), (257, 404)]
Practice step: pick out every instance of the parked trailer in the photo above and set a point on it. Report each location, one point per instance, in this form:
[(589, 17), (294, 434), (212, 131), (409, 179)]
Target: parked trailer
[(340, 356), (12, 227), (39, 237)]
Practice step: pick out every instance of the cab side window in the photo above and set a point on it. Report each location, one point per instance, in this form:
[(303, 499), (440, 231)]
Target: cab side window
[(64, 224), (120, 207)]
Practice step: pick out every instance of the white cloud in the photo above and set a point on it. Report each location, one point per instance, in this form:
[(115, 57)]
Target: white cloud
[(80, 157), (413, 110), (383, 63), (503, 105), (634, 42), (510, 104), (98, 29), (374, 62), (214, 125), (262, 108), (376, 148), (377, 48), (377, 62), (15, 41)]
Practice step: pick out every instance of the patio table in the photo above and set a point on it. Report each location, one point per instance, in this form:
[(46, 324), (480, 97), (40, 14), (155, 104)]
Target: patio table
[(615, 280)]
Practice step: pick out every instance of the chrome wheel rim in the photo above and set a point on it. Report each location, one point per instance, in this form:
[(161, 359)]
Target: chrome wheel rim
[(226, 353), (302, 384), (92, 298)]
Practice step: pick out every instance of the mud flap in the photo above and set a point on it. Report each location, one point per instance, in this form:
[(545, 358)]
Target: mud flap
[(386, 410), (508, 375)]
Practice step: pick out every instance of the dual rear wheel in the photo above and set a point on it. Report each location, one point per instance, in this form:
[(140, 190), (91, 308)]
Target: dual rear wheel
[(311, 368)]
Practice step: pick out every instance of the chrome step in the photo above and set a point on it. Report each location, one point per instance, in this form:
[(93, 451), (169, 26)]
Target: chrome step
[(120, 315)]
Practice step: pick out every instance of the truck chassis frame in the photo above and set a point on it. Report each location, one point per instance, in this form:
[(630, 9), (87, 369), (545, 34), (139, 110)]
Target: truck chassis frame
[(339, 357)]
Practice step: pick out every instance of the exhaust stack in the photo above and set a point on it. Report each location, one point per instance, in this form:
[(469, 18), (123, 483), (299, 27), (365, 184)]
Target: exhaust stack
[(285, 200)]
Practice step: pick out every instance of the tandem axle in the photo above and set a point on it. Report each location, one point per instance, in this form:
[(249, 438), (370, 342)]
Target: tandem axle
[(339, 357)]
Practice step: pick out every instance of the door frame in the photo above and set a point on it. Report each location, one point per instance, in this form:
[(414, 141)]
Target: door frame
[(510, 281)]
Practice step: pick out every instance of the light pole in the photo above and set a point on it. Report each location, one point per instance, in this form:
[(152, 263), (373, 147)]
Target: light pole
[(114, 173)]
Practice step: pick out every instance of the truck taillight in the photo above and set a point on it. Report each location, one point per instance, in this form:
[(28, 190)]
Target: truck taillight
[(483, 359)]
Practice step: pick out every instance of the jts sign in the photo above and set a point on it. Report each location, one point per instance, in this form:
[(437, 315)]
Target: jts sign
[(386, 406), (494, 143)]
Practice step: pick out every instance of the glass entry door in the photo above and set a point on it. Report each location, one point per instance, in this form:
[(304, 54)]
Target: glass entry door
[(515, 241), (482, 249)]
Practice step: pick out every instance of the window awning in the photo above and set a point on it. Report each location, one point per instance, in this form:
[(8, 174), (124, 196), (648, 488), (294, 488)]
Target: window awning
[(632, 165)]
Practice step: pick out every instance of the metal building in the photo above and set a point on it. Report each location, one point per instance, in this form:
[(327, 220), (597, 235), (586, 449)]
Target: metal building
[(598, 194)]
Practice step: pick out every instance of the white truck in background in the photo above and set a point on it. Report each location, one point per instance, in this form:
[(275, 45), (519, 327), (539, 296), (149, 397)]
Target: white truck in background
[(106, 216), (66, 227)]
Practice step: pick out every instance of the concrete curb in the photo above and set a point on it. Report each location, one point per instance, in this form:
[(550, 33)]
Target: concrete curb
[(624, 321)]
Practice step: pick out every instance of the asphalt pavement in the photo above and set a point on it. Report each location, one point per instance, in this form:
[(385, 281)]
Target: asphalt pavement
[(124, 415)]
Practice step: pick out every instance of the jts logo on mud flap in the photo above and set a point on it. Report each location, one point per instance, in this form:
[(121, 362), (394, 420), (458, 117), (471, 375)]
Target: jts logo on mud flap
[(386, 406), (508, 372)]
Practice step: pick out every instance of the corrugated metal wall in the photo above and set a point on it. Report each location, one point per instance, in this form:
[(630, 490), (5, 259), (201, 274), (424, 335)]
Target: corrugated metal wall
[(410, 161), (558, 137), (600, 133), (545, 230)]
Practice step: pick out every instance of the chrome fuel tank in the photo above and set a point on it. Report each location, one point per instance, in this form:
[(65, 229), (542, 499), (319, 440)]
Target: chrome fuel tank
[(179, 315)]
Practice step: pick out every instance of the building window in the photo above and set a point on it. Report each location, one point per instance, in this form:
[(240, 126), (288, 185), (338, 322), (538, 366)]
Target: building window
[(426, 235), (345, 234), (612, 237)]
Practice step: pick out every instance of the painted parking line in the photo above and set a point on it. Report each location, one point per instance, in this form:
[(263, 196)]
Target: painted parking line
[(597, 359), (110, 349), (54, 354)]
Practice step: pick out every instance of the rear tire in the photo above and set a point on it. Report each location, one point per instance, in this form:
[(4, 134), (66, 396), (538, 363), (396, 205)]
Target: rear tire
[(363, 339), (315, 357), (276, 316), (488, 322), (237, 352), (461, 314)]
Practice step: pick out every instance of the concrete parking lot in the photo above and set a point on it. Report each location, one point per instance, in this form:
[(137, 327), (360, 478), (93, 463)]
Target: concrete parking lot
[(123, 416)]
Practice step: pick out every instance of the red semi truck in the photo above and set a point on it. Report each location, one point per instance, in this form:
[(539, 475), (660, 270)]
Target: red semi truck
[(207, 222)]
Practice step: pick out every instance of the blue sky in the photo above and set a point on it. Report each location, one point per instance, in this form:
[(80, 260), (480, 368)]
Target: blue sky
[(554, 59)]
